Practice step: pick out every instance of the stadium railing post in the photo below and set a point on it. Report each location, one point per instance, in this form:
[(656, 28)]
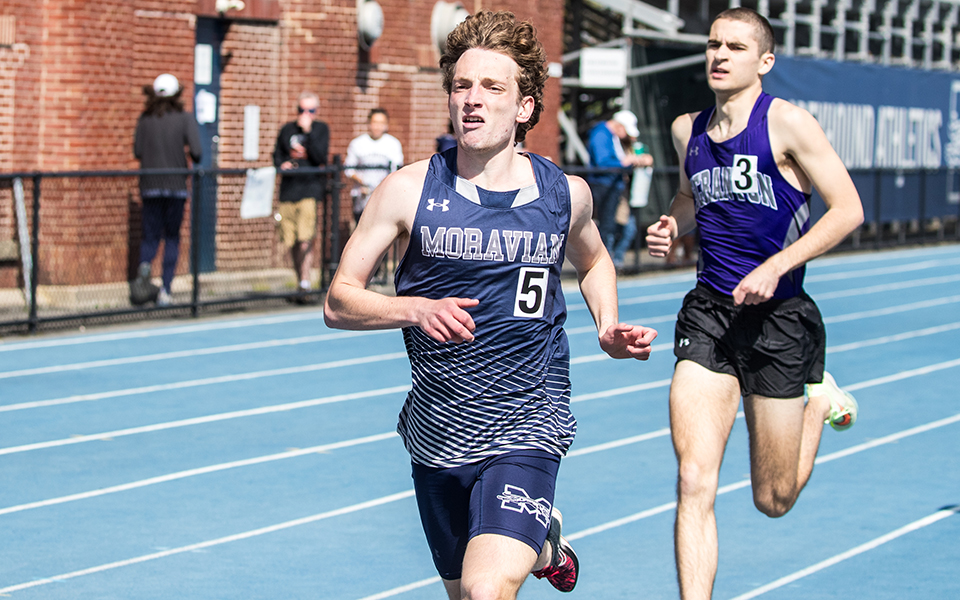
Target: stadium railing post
[(32, 320), (198, 175)]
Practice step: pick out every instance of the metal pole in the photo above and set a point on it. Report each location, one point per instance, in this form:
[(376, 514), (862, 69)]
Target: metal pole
[(335, 187), (198, 176), (35, 250)]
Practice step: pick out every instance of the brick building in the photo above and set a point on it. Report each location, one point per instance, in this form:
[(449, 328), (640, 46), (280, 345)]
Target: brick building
[(71, 79)]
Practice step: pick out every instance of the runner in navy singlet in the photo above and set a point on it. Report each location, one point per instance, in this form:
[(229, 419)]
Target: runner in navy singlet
[(484, 231), (748, 329)]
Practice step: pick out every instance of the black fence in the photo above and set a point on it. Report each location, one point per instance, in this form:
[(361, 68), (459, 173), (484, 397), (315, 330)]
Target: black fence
[(69, 242)]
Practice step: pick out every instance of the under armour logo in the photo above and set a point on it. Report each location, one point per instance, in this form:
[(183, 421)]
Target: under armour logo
[(683, 342), (518, 500), (442, 205), (695, 151)]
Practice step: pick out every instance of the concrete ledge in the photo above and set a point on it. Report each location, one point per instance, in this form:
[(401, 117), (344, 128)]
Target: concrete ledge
[(106, 296)]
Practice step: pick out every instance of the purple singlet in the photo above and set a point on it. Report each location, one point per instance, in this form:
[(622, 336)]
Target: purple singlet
[(746, 210)]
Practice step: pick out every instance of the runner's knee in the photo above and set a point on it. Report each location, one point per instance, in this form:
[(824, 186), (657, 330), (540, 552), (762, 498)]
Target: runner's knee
[(774, 500), (489, 588), (696, 480)]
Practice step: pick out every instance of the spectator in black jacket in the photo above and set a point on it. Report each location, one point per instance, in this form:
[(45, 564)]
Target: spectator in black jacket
[(301, 143), (163, 131)]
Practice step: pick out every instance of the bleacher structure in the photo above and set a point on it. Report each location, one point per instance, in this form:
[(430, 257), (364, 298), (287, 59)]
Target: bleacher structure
[(919, 34), (914, 33)]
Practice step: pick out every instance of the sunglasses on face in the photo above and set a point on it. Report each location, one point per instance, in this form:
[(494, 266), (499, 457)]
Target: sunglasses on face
[(301, 109)]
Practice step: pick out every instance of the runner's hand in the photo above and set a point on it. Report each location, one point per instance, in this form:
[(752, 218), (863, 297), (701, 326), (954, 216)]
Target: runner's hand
[(660, 237), (628, 341), (757, 287), (445, 320)]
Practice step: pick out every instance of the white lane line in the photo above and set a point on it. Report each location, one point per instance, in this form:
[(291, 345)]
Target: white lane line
[(199, 471), (206, 381), (621, 390), (282, 456), (905, 268), (887, 287), (866, 547), (402, 589), (601, 356), (314, 315), (316, 402), (202, 420), (638, 299), (882, 256), (890, 310), (887, 439), (949, 364), (128, 360), (899, 337), (643, 437), (159, 332), (403, 495), (279, 408), (914, 283), (645, 321), (746, 482), (833, 276), (351, 334), (209, 543), (571, 331), (684, 277)]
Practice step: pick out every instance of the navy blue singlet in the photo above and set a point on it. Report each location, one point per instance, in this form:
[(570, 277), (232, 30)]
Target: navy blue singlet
[(509, 389), (746, 210)]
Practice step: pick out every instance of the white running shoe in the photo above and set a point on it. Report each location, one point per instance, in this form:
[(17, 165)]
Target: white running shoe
[(843, 406)]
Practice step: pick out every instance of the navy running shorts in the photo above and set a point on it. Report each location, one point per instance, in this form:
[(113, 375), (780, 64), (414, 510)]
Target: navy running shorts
[(510, 494), (773, 348)]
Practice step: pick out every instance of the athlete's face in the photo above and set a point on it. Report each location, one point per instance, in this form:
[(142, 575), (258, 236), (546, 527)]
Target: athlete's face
[(734, 61), (485, 103)]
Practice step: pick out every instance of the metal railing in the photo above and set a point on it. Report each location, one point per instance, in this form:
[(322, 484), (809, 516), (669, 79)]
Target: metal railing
[(84, 234)]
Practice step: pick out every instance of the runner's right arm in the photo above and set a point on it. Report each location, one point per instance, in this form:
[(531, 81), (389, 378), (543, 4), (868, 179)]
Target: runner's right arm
[(682, 216), (388, 217)]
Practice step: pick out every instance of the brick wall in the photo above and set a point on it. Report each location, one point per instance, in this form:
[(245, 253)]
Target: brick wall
[(71, 92)]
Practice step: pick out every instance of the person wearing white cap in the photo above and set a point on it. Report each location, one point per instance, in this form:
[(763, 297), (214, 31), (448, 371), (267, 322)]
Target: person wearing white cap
[(166, 85), (607, 139), (163, 130)]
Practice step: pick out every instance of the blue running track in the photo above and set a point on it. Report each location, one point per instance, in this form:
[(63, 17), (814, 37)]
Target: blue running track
[(256, 458)]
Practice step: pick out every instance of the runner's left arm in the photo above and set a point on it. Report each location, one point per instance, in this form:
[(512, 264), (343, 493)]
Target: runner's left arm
[(598, 280), (796, 134)]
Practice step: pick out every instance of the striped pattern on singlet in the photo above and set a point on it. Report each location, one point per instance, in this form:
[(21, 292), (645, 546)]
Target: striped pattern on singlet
[(510, 388)]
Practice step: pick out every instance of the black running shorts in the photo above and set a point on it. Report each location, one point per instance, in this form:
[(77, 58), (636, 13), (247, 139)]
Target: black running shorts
[(510, 494), (773, 348)]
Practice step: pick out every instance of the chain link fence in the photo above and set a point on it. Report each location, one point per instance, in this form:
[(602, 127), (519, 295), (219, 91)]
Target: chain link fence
[(70, 242)]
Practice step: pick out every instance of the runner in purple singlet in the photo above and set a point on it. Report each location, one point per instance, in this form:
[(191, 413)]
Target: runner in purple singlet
[(748, 329)]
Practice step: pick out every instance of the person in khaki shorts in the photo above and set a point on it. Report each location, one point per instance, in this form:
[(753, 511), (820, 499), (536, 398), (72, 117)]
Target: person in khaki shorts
[(301, 143)]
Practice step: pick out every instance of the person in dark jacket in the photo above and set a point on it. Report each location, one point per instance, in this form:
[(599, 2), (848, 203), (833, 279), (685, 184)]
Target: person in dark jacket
[(163, 131), (301, 143)]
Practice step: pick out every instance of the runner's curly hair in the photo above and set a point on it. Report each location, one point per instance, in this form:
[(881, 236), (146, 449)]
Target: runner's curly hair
[(501, 32)]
